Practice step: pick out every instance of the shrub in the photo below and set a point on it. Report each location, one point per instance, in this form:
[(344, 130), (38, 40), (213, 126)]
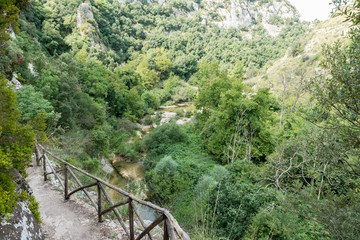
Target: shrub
[(160, 138), (166, 166)]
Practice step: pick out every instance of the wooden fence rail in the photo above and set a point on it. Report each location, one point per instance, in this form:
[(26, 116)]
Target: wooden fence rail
[(170, 225)]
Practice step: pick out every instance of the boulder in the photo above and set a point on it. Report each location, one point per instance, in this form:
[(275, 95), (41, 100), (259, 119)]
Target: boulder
[(22, 225)]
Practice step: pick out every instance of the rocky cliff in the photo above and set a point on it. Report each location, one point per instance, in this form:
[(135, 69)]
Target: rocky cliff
[(22, 223), (302, 60), (87, 25), (271, 14)]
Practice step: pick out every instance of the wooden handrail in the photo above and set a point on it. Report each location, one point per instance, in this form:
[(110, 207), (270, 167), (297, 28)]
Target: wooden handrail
[(53, 171), (170, 223), (84, 190), (115, 206), (57, 171), (151, 226), (116, 212), (81, 188)]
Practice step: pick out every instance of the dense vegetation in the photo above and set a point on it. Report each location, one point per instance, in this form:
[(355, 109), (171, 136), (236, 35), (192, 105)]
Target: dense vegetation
[(117, 61), (16, 136), (248, 165)]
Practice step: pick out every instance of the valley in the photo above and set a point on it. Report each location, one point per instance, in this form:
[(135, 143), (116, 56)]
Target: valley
[(235, 115)]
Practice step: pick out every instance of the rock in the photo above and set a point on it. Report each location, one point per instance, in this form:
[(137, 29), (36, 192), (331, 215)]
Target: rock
[(22, 225), (87, 25), (32, 70), (167, 107), (241, 13), (138, 134), (21, 183), (14, 83), (182, 105), (146, 127), (106, 166), (12, 33), (183, 121), (166, 117)]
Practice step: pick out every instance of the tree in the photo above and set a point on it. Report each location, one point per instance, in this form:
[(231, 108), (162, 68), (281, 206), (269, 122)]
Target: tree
[(149, 76), (337, 95), (9, 15), (237, 203), (88, 113), (32, 103), (164, 136), (231, 114)]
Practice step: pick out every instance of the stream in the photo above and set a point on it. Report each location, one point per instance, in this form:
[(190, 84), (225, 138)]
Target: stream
[(128, 175)]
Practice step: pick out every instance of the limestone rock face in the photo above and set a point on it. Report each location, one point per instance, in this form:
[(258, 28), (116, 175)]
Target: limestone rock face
[(14, 83), (87, 25), (270, 14), (22, 225)]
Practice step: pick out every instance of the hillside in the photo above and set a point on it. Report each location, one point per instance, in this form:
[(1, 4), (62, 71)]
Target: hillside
[(174, 25), (272, 15), (302, 60)]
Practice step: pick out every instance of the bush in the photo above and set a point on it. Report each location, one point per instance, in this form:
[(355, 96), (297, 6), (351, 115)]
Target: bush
[(91, 165), (161, 137), (166, 166), (237, 204), (16, 146)]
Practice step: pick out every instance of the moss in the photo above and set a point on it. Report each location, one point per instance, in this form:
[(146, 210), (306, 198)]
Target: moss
[(8, 196), (32, 204)]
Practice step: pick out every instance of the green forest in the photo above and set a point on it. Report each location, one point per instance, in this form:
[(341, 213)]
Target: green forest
[(250, 164)]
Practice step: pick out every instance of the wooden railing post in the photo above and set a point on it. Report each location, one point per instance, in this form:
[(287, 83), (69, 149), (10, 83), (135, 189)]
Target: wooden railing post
[(131, 220), (44, 166), (117, 214), (166, 233), (66, 182), (37, 158), (99, 201), (140, 219), (169, 230)]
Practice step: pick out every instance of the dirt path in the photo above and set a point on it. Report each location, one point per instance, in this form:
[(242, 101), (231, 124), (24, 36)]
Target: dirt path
[(67, 220)]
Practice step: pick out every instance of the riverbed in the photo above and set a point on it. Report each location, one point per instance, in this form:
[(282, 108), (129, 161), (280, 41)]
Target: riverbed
[(128, 175)]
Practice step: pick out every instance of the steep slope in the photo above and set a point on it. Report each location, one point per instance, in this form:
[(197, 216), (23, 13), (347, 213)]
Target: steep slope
[(302, 60), (88, 26), (270, 14)]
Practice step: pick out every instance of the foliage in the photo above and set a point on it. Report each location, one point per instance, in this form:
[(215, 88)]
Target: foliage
[(168, 185), (163, 136), (16, 144), (32, 103), (271, 180), (10, 10), (337, 94), (31, 203), (236, 205), (228, 111), (336, 215)]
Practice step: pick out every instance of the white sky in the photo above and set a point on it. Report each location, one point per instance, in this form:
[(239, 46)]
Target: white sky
[(313, 9)]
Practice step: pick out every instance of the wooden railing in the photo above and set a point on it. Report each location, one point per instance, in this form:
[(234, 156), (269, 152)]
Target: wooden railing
[(171, 228)]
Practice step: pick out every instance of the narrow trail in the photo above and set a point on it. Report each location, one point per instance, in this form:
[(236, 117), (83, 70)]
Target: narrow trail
[(66, 220)]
